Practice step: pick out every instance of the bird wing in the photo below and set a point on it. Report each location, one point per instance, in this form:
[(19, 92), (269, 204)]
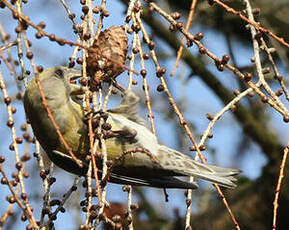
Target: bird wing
[(159, 182), (129, 108), (66, 162)]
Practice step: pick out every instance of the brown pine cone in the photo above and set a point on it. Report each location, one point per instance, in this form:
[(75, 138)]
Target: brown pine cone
[(105, 63)]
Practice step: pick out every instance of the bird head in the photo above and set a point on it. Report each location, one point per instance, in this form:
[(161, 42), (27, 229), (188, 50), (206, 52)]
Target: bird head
[(58, 79)]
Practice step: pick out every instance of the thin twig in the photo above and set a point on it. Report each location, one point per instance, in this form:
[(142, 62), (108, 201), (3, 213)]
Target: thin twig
[(46, 196), (123, 155), (221, 113), (145, 81), (5, 216), (189, 205), (256, 25), (278, 187), (19, 45), (89, 194), (100, 19), (276, 71), (258, 64), (26, 209), (65, 198), (129, 210), (132, 59), (63, 2), (17, 155), (8, 45), (188, 24)]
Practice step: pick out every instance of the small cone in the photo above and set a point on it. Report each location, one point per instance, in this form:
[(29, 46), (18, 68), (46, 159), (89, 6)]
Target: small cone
[(111, 47)]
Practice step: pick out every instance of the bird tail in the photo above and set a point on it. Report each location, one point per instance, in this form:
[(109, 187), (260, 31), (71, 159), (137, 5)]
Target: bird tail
[(184, 165), (222, 176)]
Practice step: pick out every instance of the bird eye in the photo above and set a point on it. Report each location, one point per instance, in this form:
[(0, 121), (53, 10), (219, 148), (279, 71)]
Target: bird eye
[(59, 73)]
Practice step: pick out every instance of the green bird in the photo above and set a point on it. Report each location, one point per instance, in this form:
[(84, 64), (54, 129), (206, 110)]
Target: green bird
[(128, 133)]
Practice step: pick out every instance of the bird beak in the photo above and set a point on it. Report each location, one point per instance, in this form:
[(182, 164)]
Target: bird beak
[(76, 89), (74, 74)]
